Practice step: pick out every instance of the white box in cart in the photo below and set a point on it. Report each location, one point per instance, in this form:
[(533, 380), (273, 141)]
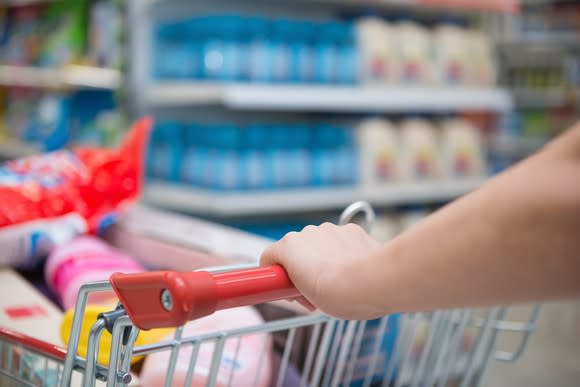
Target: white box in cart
[(25, 310), (163, 240)]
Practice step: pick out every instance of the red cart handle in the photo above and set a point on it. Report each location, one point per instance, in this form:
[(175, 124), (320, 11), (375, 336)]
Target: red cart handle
[(170, 299)]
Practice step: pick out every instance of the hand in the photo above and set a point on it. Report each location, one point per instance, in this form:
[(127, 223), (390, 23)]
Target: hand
[(324, 264)]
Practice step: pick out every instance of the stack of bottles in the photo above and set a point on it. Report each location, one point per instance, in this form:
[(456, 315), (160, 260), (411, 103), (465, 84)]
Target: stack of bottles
[(240, 48), (417, 149), (367, 50), (258, 156), (408, 52)]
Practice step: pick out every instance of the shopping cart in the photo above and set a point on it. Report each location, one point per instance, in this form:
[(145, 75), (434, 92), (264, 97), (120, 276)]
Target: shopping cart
[(420, 349)]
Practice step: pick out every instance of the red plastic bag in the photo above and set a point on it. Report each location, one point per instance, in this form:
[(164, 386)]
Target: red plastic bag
[(48, 199)]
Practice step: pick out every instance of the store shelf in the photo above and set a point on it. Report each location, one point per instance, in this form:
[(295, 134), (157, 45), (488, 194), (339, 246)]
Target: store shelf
[(67, 77), (18, 3), (184, 198), (540, 98), (13, 149), (328, 98), (550, 40), (513, 146)]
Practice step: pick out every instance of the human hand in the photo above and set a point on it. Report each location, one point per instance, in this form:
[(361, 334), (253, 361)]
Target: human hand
[(324, 264)]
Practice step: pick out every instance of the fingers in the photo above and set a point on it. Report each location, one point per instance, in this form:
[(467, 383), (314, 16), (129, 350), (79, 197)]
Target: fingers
[(307, 304), (270, 256)]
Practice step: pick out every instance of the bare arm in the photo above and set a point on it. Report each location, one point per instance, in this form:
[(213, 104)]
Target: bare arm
[(515, 239)]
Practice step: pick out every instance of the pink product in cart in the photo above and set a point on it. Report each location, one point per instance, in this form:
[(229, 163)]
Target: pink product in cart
[(246, 359), (85, 259)]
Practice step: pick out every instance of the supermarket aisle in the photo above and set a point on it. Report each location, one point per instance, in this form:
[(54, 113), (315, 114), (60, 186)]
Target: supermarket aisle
[(553, 358)]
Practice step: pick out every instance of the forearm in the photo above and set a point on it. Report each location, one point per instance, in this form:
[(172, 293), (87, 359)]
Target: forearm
[(516, 239)]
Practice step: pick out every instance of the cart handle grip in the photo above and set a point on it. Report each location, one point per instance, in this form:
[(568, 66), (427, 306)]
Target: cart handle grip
[(169, 299)]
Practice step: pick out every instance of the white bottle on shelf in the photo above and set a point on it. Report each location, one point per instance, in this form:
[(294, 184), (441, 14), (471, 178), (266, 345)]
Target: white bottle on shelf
[(451, 55), (418, 150), (375, 42), (482, 69), (413, 47), (378, 146), (462, 153)]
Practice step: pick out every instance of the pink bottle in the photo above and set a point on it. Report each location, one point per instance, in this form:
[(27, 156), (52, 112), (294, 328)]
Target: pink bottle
[(85, 259), (244, 366)]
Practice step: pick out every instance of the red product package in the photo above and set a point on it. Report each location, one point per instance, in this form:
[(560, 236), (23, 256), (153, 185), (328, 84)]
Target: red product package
[(48, 199)]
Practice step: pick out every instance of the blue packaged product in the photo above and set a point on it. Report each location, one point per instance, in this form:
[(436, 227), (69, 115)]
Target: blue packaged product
[(171, 62), (191, 163), (282, 36), (193, 59), (380, 336), (231, 32), (298, 159), (166, 156), (278, 156), (50, 126), (345, 158), (225, 158), (258, 66), (254, 165), (302, 60), (348, 58), (327, 52), (212, 47), (322, 157), (158, 154)]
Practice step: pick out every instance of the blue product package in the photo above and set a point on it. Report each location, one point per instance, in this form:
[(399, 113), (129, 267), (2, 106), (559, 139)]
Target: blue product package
[(345, 158), (50, 126), (159, 155), (278, 156), (255, 173), (166, 155), (232, 36), (193, 49), (259, 50), (213, 47), (327, 52), (390, 327), (297, 156), (171, 60), (302, 60), (347, 55), (322, 157), (282, 36), (225, 158), (192, 137)]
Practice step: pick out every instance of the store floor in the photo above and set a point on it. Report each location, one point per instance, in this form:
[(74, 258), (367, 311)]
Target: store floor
[(553, 357)]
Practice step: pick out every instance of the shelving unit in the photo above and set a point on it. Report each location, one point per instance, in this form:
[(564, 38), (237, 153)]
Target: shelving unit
[(67, 77), (187, 199), (328, 98)]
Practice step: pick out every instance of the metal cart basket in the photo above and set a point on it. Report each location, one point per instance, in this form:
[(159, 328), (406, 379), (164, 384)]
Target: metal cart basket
[(441, 348)]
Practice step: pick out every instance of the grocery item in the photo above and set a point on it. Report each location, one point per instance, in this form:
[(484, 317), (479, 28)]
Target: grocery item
[(461, 150), (64, 43), (418, 150), (246, 359), (26, 311), (378, 144), (91, 314), (48, 199), (481, 66), (376, 44), (105, 34), (452, 54), (413, 48), (83, 260)]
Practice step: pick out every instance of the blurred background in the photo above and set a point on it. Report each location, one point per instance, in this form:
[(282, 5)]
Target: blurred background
[(272, 115)]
